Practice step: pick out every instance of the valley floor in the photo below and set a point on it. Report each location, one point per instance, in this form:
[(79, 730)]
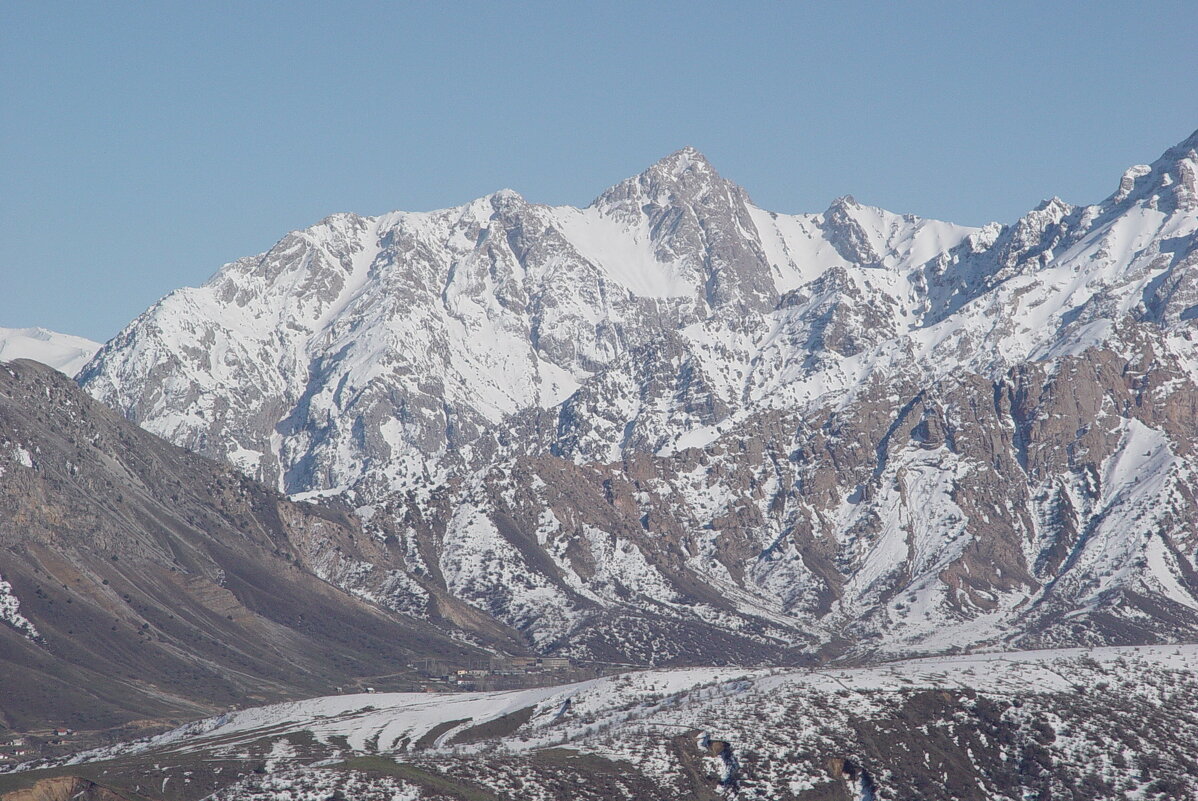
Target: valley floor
[(1116, 722)]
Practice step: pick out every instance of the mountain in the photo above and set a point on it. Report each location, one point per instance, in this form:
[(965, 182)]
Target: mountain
[(448, 323), (1081, 725), (140, 582), (63, 352), (675, 428)]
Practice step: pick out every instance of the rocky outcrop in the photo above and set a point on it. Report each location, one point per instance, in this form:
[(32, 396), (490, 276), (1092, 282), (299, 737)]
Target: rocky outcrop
[(65, 788)]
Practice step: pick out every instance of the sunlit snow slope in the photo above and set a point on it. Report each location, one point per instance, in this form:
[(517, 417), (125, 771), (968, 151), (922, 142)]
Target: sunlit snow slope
[(63, 352)]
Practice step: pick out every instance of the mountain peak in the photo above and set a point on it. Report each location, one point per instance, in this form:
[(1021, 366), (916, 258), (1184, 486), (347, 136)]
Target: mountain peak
[(505, 195), (843, 203), (497, 382), (687, 158), (1170, 182), (684, 175), (1054, 205), (1181, 157)]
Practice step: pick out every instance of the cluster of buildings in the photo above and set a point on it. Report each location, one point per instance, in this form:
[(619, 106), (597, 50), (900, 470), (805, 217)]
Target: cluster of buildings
[(14, 749), (19, 748), (496, 666)]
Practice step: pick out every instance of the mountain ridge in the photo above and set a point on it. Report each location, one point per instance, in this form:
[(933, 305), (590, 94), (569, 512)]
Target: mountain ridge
[(672, 411)]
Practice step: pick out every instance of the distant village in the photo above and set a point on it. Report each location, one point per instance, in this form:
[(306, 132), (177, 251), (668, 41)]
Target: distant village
[(501, 672), (20, 748)]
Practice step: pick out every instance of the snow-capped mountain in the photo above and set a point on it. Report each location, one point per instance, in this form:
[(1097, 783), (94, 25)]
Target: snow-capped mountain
[(675, 426), (64, 352)]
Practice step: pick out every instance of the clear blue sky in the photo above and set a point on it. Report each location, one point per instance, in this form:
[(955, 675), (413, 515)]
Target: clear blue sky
[(142, 145)]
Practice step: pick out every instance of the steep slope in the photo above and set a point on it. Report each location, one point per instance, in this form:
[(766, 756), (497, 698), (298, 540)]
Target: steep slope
[(672, 426), (140, 581), (63, 352)]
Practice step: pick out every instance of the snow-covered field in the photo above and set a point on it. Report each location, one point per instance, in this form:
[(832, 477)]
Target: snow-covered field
[(1093, 714)]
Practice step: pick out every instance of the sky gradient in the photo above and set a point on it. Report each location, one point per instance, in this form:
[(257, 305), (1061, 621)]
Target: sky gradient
[(143, 145)]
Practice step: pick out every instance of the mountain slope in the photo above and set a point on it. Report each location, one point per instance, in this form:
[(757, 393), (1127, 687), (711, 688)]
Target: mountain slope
[(673, 426), (139, 581)]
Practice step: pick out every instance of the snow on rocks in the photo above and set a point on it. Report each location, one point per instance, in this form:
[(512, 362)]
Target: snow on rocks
[(10, 612), (890, 727)]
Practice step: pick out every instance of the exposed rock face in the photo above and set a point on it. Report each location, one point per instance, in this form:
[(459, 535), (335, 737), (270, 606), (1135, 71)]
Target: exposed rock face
[(144, 581), (675, 427)]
